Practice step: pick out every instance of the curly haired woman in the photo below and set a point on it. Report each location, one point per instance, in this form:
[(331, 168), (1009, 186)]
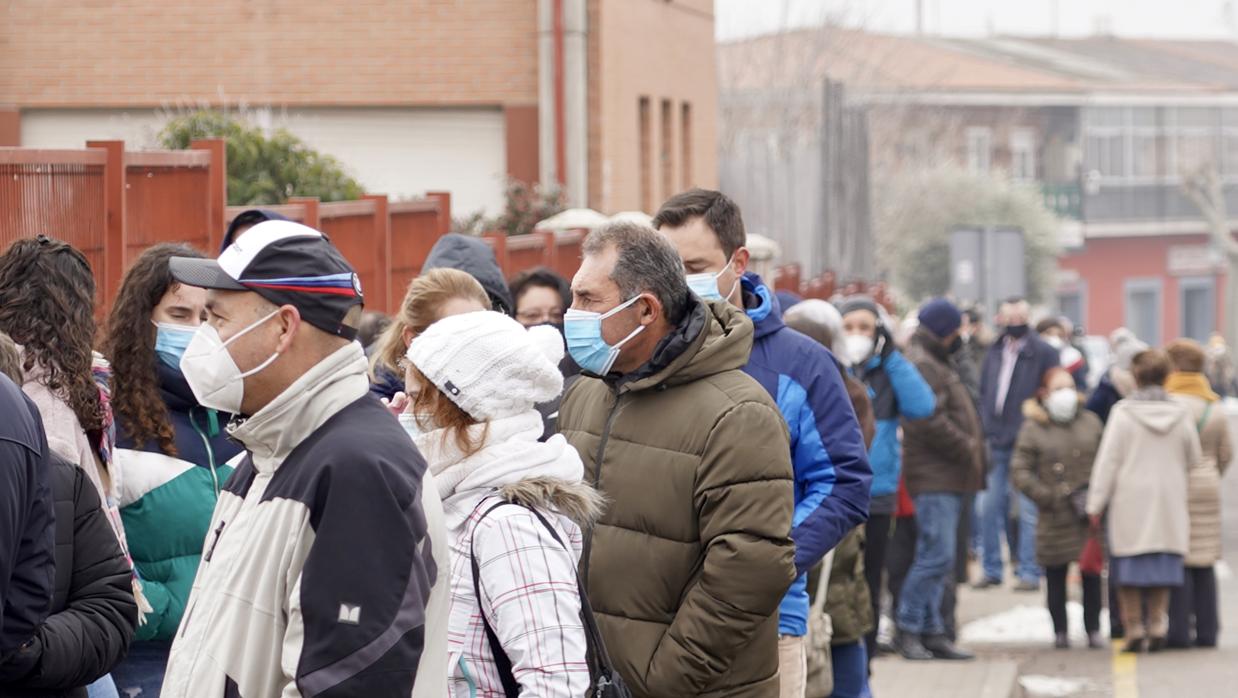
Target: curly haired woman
[(174, 451)]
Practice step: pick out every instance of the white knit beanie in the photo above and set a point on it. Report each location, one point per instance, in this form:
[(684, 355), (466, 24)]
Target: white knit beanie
[(489, 364)]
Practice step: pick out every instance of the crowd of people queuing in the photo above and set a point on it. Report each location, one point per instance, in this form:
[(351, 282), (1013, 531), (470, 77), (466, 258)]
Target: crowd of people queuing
[(659, 479)]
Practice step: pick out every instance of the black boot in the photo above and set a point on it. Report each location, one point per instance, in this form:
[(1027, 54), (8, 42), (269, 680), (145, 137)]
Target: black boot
[(910, 647), (1061, 641), (942, 648)]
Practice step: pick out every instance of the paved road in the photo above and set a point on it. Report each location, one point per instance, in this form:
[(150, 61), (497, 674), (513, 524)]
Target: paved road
[(1012, 636)]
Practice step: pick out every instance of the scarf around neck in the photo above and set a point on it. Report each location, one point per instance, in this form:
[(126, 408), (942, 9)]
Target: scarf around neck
[(1193, 384)]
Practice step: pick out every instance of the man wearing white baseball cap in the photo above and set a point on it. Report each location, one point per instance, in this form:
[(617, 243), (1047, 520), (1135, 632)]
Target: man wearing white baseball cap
[(319, 563)]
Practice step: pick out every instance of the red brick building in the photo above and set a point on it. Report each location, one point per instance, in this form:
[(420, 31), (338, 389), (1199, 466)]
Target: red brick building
[(615, 98)]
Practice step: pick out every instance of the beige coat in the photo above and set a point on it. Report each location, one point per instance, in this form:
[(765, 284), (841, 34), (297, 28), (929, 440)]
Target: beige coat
[(1204, 483), (1140, 476)]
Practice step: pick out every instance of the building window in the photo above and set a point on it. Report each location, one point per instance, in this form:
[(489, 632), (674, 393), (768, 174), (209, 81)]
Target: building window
[(979, 150), (1143, 309), (1071, 303), (1023, 154), (1197, 307), (667, 151), (1229, 142), (646, 157), (685, 143), (1195, 139)]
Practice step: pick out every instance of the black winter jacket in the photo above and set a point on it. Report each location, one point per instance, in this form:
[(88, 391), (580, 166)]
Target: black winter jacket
[(26, 563), (93, 612)]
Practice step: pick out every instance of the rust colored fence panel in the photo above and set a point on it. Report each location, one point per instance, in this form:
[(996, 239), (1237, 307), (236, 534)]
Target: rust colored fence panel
[(58, 193), (415, 227), (351, 225), (167, 200), (567, 256)]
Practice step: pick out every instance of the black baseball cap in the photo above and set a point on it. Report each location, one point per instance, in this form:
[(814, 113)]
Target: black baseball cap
[(288, 264)]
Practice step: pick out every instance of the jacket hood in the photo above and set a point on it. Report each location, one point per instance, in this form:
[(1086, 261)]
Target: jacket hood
[(761, 306), (275, 430), (474, 257), (713, 337), (1158, 416), (515, 465)]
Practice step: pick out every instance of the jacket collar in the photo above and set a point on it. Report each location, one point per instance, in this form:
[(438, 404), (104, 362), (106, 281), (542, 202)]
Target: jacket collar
[(713, 337), (177, 394), (275, 430), (931, 344), (761, 306)]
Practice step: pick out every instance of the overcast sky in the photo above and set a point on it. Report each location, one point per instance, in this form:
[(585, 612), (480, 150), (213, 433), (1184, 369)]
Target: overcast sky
[(1214, 19)]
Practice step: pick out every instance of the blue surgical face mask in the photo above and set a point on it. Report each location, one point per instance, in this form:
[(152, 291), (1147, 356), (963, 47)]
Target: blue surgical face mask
[(170, 342), (705, 284), (583, 331)]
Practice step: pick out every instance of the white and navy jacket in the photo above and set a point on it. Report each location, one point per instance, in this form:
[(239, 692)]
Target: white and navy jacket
[(318, 568)]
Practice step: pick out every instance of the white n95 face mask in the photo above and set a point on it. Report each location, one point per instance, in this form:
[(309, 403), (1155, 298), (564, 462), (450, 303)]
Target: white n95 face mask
[(213, 376)]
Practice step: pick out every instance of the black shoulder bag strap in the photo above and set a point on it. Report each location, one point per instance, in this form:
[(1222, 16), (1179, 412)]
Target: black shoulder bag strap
[(606, 683)]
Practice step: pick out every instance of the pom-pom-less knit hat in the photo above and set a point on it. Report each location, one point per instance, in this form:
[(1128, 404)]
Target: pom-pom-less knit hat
[(489, 364)]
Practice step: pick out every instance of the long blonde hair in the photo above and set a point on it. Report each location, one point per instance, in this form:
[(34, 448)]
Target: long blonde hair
[(422, 306)]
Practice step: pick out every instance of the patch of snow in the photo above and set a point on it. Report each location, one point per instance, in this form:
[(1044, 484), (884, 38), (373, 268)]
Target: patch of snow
[(1035, 686), (1023, 625)]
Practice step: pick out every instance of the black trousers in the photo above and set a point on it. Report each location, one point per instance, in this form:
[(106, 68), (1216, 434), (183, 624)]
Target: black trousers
[(1195, 600), (1055, 580), (877, 542)]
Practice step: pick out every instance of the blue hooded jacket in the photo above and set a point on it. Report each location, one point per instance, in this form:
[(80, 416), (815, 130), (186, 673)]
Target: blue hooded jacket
[(897, 390), (827, 449)]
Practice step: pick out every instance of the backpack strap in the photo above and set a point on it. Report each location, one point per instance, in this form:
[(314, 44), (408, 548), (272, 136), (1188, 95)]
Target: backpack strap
[(1203, 421), (502, 663), (601, 670)]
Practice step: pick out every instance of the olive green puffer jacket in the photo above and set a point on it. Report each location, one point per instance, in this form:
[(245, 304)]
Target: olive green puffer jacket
[(687, 566)]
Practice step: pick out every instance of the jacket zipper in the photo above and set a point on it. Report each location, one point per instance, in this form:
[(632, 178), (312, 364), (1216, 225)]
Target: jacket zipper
[(597, 479), (210, 453)]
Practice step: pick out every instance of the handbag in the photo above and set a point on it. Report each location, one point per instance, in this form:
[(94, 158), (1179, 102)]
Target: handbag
[(1092, 558), (604, 681), (820, 682)]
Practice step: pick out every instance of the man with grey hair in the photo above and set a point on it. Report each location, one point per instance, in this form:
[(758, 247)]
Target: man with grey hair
[(686, 568)]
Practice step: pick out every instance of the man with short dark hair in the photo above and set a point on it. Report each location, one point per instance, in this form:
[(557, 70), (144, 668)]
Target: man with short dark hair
[(1013, 369), (687, 566), (317, 572), (827, 450)]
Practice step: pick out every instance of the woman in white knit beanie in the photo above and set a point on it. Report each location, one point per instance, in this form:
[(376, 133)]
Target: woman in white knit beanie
[(514, 506)]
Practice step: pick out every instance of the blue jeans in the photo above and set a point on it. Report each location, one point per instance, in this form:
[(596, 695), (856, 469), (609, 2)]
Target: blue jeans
[(140, 675), (850, 671), (937, 521), (994, 508), (103, 687)]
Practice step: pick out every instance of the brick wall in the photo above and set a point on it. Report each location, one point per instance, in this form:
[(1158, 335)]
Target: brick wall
[(658, 49), (295, 52)]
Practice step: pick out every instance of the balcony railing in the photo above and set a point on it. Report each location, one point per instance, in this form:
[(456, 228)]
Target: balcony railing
[(1063, 198)]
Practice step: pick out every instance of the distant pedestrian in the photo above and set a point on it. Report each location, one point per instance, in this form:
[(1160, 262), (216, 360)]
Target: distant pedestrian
[(320, 545), (514, 507), (803, 378), (687, 566), (174, 452), (1052, 464), (1193, 615), (943, 464), (1220, 366), (1140, 477), (1116, 382), (1014, 369), (898, 391)]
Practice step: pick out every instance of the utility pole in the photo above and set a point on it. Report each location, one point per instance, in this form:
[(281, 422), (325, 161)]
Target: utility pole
[(919, 17)]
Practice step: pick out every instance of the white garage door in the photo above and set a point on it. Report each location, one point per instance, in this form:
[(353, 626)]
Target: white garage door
[(402, 152)]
